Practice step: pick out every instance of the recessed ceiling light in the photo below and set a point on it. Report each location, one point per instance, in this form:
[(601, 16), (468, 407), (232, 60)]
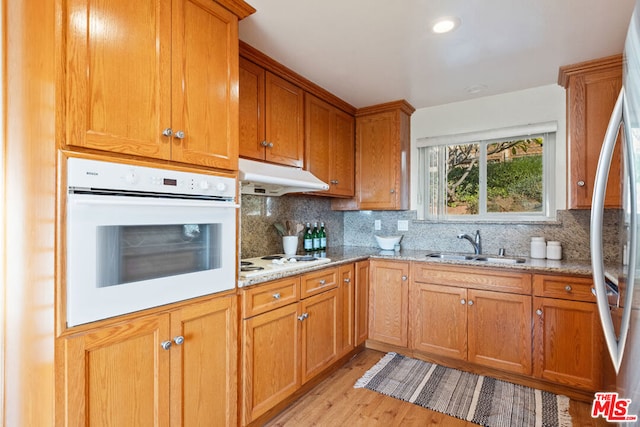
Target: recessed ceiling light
[(445, 25)]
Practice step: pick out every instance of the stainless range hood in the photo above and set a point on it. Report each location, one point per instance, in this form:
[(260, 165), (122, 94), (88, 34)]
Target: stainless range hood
[(266, 179)]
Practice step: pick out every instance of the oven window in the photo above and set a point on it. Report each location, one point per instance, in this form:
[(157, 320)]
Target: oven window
[(131, 253)]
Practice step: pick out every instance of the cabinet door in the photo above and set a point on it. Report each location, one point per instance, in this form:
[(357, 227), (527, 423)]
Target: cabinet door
[(252, 116), (342, 178), (388, 302), (319, 118), (377, 142), (284, 122), (590, 99), (319, 333), (204, 79), (118, 76), (361, 304), (438, 319), (346, 306), (204, 366), (499, 330), (119, 375), (567, 343), (270, 360)]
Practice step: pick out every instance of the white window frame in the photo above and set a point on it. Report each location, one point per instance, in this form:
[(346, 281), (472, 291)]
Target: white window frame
[(546, 130)]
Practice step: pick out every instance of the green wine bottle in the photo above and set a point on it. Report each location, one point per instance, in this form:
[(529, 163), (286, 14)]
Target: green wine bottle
[(316, 237), (323, 237), (308, 239)]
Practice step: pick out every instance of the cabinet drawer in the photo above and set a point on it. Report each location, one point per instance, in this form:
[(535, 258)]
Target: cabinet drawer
[(565, 287), (271, 295), (318, 281), (472, 277)]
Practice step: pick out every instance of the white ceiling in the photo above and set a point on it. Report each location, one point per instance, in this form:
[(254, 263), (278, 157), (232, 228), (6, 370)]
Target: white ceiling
[(372, 51)]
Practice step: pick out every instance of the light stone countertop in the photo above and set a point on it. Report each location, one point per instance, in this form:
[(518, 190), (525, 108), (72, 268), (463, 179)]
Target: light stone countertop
[(348, 254)]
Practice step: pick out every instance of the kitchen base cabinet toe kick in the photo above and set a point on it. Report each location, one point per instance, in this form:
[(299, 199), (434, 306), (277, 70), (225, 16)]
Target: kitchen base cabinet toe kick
[(538, 330)]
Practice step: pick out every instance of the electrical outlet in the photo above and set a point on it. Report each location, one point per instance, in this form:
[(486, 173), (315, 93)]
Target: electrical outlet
[(377, 224), (403, 225)]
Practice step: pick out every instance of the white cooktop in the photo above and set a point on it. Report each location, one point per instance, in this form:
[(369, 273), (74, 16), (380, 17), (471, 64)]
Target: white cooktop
[(276, 263)]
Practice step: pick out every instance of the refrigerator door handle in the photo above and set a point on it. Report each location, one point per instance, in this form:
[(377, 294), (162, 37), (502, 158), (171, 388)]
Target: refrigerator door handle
[(615, 344)]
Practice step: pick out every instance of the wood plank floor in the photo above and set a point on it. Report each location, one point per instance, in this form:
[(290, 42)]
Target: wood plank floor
[(335, 402)]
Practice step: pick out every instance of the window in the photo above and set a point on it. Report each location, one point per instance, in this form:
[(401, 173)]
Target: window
[(504, 174)]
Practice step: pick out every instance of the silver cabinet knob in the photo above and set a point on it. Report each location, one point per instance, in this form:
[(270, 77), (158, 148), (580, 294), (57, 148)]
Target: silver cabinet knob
[(567, 288), (334, 181), (322, 282), (178, 340), (470, 302), (462, 301), (263, 143), (404, 278), (392, 191), (276, 295), (303, 316), (167, 132), (166, 345), (539, 312), (347, 280), (179, 134), (580, 183)]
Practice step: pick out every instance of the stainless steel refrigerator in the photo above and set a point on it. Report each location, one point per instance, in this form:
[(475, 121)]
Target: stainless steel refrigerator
[(620, 316)]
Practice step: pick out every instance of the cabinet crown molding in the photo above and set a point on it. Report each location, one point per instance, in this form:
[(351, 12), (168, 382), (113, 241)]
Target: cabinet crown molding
[(401, 105), (567, 71)]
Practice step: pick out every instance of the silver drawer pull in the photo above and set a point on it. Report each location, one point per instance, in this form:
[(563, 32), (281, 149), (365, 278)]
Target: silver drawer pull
[(276, 295), (567, 288), (303, 316), (323, 282), (347, 280)]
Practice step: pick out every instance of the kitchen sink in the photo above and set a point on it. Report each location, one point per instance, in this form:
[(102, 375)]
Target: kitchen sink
[(478, 258)]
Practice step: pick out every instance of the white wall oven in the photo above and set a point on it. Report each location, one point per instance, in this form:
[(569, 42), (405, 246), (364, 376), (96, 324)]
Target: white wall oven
[(140, 237)]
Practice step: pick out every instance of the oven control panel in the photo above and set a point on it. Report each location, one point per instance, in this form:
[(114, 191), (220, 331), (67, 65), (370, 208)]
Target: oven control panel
[(101, 175)]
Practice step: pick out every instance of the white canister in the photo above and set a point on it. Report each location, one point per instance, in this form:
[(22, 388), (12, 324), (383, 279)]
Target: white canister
[(554, 250), (538, 248)]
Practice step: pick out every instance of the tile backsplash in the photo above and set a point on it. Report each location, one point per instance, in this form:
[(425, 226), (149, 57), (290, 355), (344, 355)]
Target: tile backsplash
[(259, 236)]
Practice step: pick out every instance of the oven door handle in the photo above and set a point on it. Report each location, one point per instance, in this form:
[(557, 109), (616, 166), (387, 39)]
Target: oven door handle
[(87, 199)]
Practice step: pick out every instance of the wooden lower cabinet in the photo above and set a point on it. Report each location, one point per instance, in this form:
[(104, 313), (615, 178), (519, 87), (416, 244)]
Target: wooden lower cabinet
[(499, 330), (388, 302), (271, 359), (438, 318), (568, 341), (319, 333), (483, 327), (361, 303), (291, 343), (121, 374), (346, 309)]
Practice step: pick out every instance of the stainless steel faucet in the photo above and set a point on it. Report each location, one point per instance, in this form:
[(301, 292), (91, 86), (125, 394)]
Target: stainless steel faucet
[(475, 242)]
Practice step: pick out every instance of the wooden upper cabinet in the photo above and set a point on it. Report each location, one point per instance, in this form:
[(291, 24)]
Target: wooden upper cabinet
[(592, 90), (204, 78), (382, 158), (271, 117), (330, 146), (153, 78)]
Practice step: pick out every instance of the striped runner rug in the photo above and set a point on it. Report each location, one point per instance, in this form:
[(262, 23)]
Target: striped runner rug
[(475, 398)]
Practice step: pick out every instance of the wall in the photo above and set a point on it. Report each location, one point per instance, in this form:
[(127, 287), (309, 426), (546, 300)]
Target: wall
[(535, 105), (571, 229), (259, 213), (541, 104)]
